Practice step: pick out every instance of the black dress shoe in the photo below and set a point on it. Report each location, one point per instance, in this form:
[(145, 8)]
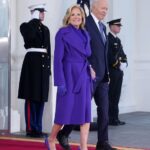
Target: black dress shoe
[(28, 134), (63, 141), (104, 146), (43, 135), (113, 123), (33, 134), (121, 122)]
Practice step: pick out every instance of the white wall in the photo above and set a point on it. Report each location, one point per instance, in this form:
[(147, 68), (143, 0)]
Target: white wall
[(142, 57), (134, 36), (135, 39), (127, 11)]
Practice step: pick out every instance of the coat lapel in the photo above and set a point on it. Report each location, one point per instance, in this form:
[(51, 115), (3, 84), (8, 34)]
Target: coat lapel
[(73, 38), (96, 30)]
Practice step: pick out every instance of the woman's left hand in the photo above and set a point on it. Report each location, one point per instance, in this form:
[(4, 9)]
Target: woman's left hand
[(93, 74)]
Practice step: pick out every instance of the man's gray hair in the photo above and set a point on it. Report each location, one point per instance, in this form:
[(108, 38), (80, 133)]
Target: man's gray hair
[(93, 2)]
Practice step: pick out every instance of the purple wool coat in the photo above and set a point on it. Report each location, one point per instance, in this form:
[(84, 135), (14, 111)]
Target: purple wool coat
[(71, 69)]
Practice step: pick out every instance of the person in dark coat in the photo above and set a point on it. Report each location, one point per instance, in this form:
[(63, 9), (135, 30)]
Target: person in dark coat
[(85, 4), (36, 70), (117, 60), (98, 61), (72, 76)]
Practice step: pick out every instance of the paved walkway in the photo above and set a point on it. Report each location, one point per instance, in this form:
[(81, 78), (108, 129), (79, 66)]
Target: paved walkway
[(136, 132)]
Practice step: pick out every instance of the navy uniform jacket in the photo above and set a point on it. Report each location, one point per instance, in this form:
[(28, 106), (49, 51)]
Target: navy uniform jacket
[(116, 54), (36, 68)]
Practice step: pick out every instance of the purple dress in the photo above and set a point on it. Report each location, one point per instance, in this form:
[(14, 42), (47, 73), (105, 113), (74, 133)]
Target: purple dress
[(72, 47)]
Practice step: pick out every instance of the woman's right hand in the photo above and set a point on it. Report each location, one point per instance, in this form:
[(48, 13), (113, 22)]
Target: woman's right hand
[(61, 90)]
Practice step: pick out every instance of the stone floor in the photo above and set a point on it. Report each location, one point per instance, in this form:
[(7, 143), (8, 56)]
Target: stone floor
[(136, 132)]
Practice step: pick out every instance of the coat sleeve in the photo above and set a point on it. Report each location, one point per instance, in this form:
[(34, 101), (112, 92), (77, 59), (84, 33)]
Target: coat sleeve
[(29, 30), (59, 78), (112, 58), (122, 54), (49, 49)]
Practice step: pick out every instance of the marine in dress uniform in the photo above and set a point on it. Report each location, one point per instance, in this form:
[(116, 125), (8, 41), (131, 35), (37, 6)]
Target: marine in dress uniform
[(36, 69), (117, 59)]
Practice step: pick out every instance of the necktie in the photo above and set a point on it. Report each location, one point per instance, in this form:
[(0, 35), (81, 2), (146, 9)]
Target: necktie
[(101, 28)]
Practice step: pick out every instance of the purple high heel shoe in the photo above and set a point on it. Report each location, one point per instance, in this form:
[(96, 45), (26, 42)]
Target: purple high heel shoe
[(47, 143)]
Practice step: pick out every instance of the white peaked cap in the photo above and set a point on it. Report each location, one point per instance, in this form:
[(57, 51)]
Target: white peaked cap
[(40, 7)]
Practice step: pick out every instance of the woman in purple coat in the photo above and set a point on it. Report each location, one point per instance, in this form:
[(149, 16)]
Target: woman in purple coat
[(72, 76)]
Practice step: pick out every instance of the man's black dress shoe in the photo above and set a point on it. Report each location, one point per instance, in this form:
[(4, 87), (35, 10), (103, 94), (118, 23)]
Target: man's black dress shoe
[(116, 122), (28, 134), (63, 141), (121, 122), (104, 146), (113, 123), (35, 134), (43, 135)]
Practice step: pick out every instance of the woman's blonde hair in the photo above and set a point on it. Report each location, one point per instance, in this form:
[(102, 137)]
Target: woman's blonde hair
[(68, 14)]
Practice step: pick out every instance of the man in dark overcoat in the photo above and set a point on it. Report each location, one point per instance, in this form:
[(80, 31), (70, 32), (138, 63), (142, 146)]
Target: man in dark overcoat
[(36, 69), (85, 4), (117, 60)]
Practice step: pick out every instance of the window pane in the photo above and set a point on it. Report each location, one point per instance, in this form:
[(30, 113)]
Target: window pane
[(3, 18)]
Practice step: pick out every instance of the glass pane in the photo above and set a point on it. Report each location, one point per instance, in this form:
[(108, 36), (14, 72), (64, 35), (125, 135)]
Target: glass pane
[(3, 18), (4, 51), (3, 96)]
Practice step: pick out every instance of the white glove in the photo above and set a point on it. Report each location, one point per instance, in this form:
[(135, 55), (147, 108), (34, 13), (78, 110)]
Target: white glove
[(35, 14), (86, 10), (123, 66)]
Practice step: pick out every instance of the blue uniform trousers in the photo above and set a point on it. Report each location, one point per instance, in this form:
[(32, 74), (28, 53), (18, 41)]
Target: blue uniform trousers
[(33, 116)]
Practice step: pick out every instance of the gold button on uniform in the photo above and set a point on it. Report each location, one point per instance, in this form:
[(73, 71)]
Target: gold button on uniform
[(43, 66), (43, 56)]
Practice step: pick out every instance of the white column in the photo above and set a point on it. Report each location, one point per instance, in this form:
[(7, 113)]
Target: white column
[(142, 57), (15, 115), (127, 11)]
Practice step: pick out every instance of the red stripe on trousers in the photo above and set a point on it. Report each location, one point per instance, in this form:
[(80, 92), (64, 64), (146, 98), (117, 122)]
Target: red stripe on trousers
[(28, 115)]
